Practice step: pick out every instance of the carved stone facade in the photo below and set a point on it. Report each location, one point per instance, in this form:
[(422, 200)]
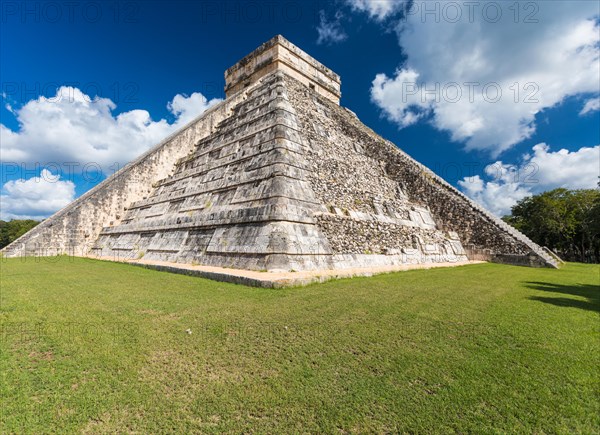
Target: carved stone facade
[(278, 177)]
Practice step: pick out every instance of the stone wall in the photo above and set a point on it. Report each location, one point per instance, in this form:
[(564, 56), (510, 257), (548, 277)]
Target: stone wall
[(391, 181), (353, 236)]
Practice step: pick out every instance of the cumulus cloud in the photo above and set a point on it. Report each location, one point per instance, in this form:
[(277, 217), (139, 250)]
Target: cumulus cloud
[(377, 9), (399, 99), (36, 197), (74, 127), (483, 73), (542, 170), (330, 31), (187, 108), (591, 105)]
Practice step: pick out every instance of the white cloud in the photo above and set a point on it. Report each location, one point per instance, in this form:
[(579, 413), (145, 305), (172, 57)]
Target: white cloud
[(543, 170), (36, 197), (330, 32), (590, 105), (377, 9), (73, 127), (544, 61), (187, 108), (398, 98)]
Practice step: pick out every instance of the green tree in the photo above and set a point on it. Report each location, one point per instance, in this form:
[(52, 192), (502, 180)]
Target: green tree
[(13, 229), (566, 221)]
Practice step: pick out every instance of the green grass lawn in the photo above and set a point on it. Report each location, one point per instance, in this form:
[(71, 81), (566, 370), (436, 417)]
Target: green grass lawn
[(97, 347)]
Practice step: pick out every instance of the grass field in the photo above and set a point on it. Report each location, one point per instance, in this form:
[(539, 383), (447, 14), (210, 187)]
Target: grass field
[(98, 347)]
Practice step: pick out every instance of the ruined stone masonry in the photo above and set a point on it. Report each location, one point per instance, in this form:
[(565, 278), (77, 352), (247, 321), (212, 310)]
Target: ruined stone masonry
[(279, 177)]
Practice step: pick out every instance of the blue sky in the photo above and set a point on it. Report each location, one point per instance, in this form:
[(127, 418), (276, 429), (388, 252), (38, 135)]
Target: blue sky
[(87, 86)]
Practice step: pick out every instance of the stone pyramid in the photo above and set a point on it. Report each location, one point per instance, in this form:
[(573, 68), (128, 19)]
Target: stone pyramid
[(279, 177)]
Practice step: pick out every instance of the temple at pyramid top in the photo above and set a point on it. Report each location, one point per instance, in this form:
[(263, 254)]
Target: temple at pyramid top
[(280, 54)]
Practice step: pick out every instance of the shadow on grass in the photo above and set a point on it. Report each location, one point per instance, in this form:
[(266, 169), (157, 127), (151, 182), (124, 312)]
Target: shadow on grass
[(590, 292)]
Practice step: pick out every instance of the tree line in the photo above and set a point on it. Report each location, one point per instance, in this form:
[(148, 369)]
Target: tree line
[(566, 221), (14, 229)]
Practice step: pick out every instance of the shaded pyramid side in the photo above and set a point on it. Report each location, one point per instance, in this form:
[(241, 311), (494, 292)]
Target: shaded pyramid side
[(367, 183)]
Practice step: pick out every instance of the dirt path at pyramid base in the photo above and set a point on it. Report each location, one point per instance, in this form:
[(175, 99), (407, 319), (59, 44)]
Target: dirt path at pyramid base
[(278, 279)]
